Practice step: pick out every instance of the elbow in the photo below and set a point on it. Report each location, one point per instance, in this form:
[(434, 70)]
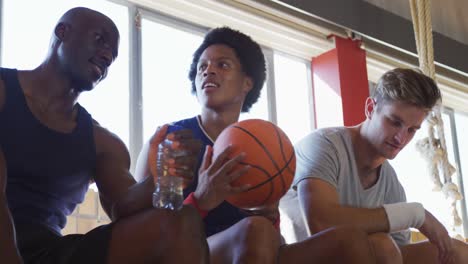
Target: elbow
[(116, 211)]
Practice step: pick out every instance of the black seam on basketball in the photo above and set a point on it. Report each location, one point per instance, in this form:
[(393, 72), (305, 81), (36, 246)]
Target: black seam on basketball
[(261, 145), (268, 152), (283, 152), (270, 177), (278, 136), (264, 149)]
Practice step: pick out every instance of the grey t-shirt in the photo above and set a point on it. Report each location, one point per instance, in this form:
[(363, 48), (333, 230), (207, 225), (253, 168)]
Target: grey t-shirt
[(327, 154)]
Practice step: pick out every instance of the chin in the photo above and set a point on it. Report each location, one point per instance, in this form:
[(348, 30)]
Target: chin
[(85, 86), (391, 155)]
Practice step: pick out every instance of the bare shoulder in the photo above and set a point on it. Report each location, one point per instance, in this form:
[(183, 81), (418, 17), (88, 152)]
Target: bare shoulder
[(108, 143), (112, 172)]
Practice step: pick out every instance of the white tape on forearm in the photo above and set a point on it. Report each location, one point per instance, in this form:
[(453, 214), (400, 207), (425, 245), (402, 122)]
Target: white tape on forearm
[(402, 216)]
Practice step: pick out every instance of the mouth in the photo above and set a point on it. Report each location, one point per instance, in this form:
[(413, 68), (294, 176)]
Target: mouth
[(209, 85), (393, 146), (99, 69)]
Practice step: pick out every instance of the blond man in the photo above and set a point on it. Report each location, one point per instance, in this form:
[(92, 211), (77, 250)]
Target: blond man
[(344, 178)]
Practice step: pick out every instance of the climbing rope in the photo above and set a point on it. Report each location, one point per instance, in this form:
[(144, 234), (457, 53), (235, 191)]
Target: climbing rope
[(433, 147)]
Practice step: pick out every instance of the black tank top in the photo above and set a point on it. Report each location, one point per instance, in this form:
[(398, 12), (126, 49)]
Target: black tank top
[(48, 172)]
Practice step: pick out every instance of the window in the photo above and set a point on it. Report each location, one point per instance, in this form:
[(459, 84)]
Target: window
[(461, 121), (292, 96), (260, 108), (167, 55), (413, 173)]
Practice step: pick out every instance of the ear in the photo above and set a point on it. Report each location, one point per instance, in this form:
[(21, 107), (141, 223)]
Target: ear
[(61, 31), (370, 107), (248, 85)]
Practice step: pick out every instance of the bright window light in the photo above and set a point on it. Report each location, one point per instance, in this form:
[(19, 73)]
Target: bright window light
[(413, 173), (292, 96), (167, 54)]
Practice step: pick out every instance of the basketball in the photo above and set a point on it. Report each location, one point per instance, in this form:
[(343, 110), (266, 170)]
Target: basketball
[(271, 156)]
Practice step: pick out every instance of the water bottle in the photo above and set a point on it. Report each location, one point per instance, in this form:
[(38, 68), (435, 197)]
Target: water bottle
[(168, 193)]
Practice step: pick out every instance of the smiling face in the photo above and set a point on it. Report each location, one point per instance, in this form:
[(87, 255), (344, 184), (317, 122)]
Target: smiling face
[(88, 47), (220, 81), (392, 125)]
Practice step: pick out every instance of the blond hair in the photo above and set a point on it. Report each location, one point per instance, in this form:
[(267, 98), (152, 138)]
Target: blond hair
[(407, 86)]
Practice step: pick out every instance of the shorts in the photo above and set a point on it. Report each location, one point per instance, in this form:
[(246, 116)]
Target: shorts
[(39, 245)]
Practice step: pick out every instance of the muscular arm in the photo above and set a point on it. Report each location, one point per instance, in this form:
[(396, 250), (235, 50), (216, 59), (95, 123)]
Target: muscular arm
[(120, 194), (320, 203)]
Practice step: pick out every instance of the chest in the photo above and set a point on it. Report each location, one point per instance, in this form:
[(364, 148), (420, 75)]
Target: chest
[(368, 179), (355, 190), (53, 118)]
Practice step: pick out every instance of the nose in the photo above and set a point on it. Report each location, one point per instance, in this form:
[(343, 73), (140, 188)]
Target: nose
[(209, 69), (106, 55), (401, 136)]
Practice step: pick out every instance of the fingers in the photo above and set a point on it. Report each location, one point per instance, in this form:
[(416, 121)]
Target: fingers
[(228, 167), (239, 189), (225, 164), (185, 146), (158, 136), (221, 159), (180, 134), (206, 159), (446, 250)]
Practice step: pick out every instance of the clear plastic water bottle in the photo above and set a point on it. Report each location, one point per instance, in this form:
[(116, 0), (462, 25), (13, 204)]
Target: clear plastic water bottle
[(168, 193)]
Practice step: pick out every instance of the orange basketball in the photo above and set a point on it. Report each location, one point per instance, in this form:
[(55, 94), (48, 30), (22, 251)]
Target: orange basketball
[(271, 156)]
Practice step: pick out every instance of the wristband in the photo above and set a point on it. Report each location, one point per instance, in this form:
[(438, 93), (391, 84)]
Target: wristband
[(191, 200), (402, 216)]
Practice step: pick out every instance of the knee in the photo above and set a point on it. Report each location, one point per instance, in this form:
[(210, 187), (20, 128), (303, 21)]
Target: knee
[(187, 223), (343, 233), (460, 251), (184, 232), (172, 225), (350, 239), (255, 228), (385, 248), (257, 241), (190, 219)]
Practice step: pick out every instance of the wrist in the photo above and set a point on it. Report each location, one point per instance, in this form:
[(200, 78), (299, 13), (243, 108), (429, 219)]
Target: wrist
[(193, 201), (402, 216), (201, 201)]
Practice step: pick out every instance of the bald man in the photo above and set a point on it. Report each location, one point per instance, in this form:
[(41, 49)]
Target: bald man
[(51, 149)]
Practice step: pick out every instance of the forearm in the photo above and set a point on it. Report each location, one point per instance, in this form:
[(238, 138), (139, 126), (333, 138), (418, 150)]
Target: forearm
[(7, 239), (369, 220), (137, 198)]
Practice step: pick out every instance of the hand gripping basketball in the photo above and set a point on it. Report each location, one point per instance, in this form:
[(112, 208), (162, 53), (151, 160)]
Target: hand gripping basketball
[(270, 154)]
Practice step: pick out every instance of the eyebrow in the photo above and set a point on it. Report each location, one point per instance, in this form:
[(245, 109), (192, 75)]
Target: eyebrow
[(219, 58), (397, 118), (108, 34)]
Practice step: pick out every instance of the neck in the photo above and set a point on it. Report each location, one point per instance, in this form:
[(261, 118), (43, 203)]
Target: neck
[(49, 87), (214, 122), (367, 158)]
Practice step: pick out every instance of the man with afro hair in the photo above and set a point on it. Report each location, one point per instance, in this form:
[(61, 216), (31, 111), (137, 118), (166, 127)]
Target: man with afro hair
[(227, 73)]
